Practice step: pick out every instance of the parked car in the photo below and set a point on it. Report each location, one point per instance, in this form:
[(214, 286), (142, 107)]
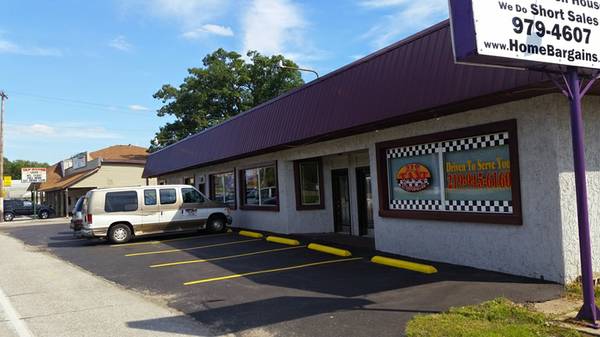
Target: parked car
[(18, 207), (119, 214), (77, 215)]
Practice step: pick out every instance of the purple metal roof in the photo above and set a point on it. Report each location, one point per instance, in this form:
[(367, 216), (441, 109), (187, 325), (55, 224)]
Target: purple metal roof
[(414, 79)]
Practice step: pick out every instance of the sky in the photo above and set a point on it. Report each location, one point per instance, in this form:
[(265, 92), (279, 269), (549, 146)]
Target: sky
[(80, 75)]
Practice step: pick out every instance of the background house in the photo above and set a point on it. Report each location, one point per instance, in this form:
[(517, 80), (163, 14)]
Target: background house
[(69, 179)]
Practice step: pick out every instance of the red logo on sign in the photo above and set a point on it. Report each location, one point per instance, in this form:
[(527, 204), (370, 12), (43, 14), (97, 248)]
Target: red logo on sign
[(413, 177)]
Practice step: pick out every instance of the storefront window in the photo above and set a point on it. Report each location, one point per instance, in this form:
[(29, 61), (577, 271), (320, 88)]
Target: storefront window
[(309, 184), (223, 188), (189, 181), (469, 174), (259, 187)]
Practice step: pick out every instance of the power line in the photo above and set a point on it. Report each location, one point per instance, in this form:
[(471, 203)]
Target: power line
[(104, 106)]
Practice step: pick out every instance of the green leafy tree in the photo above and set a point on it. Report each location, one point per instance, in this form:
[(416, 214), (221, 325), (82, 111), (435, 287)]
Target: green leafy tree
[(13, 168), (226, 85)]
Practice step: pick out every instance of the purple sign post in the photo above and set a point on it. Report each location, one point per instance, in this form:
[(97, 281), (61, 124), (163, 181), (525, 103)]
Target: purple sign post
[(560, 38)]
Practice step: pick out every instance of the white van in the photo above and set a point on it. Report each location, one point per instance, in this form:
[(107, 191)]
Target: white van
[(119, 214)]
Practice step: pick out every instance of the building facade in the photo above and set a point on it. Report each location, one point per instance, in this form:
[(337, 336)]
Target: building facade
[(471, 166), (114, 166)]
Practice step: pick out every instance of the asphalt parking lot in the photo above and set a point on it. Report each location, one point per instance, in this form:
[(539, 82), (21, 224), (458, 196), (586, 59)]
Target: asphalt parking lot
[(246, 286)]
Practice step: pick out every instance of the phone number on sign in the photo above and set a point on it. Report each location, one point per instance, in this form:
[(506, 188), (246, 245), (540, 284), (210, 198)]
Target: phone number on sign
[(539, 28)]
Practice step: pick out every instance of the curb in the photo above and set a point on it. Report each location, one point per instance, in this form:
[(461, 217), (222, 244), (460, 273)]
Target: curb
[(284, 241), (330, 250), (418, 267), (251, 234)]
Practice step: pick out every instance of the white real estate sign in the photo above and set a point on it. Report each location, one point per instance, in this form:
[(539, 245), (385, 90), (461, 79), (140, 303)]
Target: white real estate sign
[(565, 32), (32, 175)]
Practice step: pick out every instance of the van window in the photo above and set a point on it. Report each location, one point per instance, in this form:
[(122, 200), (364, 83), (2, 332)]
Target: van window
[(78, 205), (190, 195), (121, 201), (149, 197), (168, 196)]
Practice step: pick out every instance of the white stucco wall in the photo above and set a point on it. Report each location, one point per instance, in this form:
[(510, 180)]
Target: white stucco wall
[(540, 248), (567, 187)]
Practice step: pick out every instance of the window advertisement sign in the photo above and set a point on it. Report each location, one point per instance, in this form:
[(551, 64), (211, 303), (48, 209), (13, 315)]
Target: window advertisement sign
[(469, 175), (565, 32)]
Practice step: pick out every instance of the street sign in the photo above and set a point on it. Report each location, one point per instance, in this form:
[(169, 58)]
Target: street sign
[(524, 34), (7, 181), (32, 175)]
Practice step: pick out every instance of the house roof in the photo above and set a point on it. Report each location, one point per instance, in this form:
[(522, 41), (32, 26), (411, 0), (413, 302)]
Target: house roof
[(122, 154), (414, 79), (55, 182)]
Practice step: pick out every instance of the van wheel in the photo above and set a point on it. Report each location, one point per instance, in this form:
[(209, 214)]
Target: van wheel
[(216, 224), (119, 233)]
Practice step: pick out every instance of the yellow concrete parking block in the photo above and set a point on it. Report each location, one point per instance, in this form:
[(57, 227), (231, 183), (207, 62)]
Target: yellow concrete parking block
[(283, 241), (250, 234), (170, 264), (156, 242), (166, 251), (413, 266), (329, 250), (232, 276)]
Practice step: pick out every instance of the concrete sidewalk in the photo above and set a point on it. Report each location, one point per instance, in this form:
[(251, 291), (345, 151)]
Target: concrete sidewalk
[(41, 295)]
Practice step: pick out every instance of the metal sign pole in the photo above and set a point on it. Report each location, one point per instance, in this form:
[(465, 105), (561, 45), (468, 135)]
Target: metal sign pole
[(589, 311)]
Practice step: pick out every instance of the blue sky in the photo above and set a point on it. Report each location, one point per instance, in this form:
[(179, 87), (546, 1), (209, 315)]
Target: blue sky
[(80, 74)]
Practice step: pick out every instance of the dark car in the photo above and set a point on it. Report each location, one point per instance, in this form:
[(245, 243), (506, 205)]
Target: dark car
[(14, 208)]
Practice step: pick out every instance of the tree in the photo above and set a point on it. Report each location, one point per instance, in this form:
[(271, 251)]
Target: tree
[(13, 168), (225, 86)]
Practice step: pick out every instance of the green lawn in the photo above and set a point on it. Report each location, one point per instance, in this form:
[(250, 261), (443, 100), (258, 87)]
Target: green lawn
[(497, 318)]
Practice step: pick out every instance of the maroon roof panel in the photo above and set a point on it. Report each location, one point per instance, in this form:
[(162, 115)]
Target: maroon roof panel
[(414, 79)]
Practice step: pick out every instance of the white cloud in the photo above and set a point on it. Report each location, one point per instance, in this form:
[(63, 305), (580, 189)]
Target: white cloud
[(9, 47), (59, 131), (407, 17), (278, 27), (191, 14), (120, 43), (208, 29), (137, 107), (382, 3)]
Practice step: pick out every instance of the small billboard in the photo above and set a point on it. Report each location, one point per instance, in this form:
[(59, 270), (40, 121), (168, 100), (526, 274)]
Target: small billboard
[(527, 33), (33, 175)]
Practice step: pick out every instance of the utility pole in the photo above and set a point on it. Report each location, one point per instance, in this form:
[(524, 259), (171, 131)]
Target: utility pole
[(3, 97)]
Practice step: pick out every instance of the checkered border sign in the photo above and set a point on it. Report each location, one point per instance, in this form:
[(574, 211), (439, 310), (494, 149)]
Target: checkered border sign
[(470, 206), (412, 151), (478, 142), (479, 206), (463, 144), (416, 205)]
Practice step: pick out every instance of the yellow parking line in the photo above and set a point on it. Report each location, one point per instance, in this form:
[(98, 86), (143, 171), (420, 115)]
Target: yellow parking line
[(223, 257), (232, 276), (191, 248), (155, 242)]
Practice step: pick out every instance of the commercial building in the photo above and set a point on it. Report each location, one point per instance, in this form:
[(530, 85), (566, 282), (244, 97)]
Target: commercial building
[(69, 179), (434, 160)]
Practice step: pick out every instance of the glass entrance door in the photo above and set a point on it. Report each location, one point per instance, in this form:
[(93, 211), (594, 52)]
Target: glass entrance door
[(341, 201), (364, 200)]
